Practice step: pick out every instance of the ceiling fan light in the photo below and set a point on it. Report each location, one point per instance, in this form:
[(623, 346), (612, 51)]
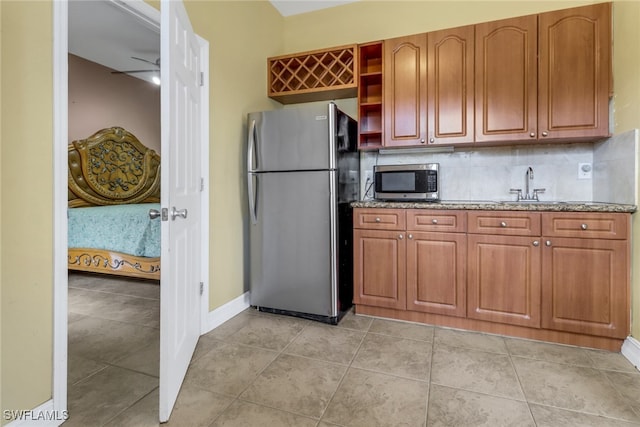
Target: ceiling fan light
[(156, 80)]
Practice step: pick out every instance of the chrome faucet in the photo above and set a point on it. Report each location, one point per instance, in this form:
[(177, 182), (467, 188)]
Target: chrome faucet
[(528, 176), (527, 197)]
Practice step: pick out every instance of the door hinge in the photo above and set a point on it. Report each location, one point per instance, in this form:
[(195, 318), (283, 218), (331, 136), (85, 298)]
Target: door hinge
[(201, 288), (201, 78), (201, 184)]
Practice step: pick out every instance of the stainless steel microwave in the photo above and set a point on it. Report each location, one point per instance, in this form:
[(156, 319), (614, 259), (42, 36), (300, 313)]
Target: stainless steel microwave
[(407, 182)]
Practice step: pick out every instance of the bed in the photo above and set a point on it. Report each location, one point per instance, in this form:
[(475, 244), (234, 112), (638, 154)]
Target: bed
[(113, 182)]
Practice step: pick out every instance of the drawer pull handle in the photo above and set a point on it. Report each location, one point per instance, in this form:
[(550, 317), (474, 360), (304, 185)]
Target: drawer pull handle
[(434, 221), (584, 226), (548, 243), (536, 243), (377, 219), (503, 224)]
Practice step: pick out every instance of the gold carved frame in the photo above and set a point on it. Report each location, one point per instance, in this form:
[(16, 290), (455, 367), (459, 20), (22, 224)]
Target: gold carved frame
[(112, 167)]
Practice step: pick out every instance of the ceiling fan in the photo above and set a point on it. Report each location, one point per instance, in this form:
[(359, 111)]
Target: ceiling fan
[(156, 63)]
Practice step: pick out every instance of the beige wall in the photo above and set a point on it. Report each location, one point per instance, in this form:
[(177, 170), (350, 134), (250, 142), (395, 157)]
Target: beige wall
[(27, 203), (99, 99), (241, 36), (370, 20)]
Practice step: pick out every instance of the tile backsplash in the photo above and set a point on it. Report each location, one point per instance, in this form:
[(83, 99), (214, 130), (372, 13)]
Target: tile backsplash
[(489, 173)]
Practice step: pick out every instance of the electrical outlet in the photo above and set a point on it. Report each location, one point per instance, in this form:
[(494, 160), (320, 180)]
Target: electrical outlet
[(584, 170)]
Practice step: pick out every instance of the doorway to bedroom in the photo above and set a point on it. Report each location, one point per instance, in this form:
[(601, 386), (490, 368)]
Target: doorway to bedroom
[(113, 321)]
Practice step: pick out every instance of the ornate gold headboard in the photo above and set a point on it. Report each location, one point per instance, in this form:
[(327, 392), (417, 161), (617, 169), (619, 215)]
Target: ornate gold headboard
[(112, 167)]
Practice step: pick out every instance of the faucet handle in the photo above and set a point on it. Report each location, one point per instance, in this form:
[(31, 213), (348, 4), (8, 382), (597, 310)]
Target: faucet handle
[(518, 191), (536, 191)]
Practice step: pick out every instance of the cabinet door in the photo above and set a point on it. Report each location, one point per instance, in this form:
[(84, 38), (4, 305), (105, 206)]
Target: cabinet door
[(574, 72), (405, 88), (506, 79), (436, 273), (503, 282), (586, 286), (379, 270), (450, 88)]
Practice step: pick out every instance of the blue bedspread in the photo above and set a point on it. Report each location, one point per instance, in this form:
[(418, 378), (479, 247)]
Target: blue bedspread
[(122, 228)]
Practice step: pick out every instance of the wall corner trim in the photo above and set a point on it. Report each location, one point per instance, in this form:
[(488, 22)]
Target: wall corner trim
[(631, 350), (225, 312)]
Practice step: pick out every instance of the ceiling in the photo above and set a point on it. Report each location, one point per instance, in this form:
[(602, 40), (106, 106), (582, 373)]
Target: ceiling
[(295, 7), (104, 32), (107, 33)]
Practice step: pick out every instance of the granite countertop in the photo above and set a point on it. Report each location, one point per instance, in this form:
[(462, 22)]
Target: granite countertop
[(572, 206)]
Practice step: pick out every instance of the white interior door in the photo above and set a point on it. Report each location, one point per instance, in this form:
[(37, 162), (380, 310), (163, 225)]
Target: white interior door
[(181, 197)]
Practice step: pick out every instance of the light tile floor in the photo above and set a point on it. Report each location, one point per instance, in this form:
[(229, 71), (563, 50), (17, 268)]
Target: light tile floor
[(265, 370)]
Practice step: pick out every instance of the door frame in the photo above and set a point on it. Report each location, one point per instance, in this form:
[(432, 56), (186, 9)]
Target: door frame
[(144, 12)]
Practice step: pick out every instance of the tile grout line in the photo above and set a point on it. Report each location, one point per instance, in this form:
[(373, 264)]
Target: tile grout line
[(348, 367)]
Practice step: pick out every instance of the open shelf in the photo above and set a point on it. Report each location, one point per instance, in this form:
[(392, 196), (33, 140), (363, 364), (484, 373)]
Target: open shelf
[(370, 95)]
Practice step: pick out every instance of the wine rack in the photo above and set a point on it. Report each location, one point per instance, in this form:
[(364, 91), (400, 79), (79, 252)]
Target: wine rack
[(317, 75)]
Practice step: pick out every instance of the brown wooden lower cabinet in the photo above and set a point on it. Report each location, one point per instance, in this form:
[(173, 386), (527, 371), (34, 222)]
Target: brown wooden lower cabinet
[(585, 286), (436, 273), (503, 281), (379, 270), (556, 276)]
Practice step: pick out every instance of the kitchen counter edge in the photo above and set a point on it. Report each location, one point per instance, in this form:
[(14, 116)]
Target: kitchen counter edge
[(501, 206)]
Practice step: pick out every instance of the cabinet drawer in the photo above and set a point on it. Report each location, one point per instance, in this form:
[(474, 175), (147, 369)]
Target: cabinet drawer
[(586, 225), (379, 219), (437, 220), (505, 223)]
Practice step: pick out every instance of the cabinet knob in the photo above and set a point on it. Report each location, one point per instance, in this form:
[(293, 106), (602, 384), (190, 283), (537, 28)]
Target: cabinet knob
[(377, 219), (410, 236), (400, 237), (432, 140), (547, 243), (503, 224), (434, 221), (545, 133), (422, 141), (536, 243), (584, 226), (532, 135)]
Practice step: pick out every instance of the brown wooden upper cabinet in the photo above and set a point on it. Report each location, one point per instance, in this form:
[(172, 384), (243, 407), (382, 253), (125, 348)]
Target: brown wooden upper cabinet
[(450, 85), (506, 79), (544, 77), (428, 81), (405, 91)]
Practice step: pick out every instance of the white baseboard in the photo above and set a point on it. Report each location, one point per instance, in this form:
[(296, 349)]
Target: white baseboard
[(631, 350), (225, 312), (41, 416)]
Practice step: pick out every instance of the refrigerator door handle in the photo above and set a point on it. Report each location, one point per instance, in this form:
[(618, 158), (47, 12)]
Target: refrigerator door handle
[(251, 191), (251, 144)]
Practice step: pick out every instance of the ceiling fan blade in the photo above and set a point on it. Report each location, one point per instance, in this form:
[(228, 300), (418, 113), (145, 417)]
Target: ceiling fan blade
[(134, 71), (157, 63)]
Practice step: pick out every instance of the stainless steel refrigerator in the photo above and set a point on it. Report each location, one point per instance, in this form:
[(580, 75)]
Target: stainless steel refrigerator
[(303, 172)]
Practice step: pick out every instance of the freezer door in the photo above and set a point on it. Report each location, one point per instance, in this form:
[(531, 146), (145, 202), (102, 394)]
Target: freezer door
[(293, 241), (289, 139)]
